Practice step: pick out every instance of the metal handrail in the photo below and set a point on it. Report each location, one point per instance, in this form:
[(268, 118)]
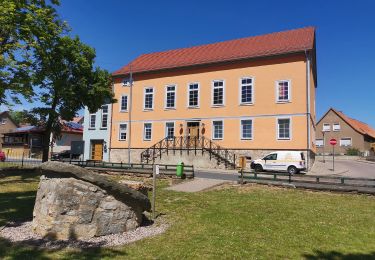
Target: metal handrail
[(190, 144)]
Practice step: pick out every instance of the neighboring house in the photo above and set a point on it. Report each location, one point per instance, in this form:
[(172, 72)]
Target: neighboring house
[(250, 96), (349, 133), (28, 141), (70, 132), (7, 124), (96, 134)]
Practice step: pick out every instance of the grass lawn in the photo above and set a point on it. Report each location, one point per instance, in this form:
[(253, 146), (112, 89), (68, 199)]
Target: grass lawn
[(252, 222)]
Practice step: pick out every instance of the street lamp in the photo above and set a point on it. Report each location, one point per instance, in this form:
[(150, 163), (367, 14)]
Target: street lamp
[(324, 141)]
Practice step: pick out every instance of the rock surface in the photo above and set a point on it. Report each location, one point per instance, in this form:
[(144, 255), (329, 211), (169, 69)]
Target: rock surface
[(74, 203)]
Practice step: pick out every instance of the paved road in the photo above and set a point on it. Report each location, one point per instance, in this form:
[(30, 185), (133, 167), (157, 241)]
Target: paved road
[(356, 169), (216, 175), (349, 168)]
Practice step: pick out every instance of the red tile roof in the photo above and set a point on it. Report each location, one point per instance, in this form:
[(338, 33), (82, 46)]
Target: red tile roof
[(251, 47), (359, 126)]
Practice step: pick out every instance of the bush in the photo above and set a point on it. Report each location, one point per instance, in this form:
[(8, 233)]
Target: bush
[(353, 151)]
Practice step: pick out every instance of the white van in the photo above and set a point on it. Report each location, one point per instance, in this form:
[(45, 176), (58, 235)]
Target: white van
[(289, 161)]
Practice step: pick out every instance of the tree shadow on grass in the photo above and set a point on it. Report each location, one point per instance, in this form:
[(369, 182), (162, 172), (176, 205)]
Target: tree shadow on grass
[(16, 206), (334, 255), (20, 251)]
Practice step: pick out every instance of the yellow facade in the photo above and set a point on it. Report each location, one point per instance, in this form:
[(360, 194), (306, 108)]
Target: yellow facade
[(264, 110)]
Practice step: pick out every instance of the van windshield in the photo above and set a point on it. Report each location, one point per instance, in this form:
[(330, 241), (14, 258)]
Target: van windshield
[(302, 156)]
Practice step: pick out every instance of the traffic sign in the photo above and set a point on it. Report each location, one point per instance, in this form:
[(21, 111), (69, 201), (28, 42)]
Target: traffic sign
[(333, 141)]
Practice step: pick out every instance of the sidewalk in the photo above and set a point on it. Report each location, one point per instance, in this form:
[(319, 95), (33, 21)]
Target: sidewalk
[(320, 168), (198, 184)]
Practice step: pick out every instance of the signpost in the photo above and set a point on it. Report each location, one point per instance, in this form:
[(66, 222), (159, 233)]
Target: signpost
[(333, 142), (156, 171)]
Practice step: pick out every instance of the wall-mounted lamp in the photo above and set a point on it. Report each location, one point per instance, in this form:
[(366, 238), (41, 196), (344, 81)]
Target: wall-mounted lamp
[(105, 146)]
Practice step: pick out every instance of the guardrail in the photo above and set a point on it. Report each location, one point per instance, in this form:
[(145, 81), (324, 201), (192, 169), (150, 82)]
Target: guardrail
[(314, 179), (166, 169)]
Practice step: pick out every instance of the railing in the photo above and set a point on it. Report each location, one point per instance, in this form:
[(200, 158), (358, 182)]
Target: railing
[(190, 145), (312, 179), (166, 169)]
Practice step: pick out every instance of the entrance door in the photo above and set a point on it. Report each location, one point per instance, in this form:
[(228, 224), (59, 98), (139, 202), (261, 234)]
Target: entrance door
[(192, 131), (97, 150)]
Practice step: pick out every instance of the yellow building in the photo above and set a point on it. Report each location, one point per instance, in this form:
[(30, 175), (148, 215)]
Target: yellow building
[(218, 101)]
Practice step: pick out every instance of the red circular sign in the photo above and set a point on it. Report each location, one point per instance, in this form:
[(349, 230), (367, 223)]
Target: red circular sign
[(333, 141)]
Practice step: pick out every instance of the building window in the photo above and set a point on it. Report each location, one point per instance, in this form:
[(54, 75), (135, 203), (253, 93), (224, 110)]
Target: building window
[(336, 127), (124, 103), (193, 95), (169, 130), (170, 96), (123, 131), (247, 129), (218, 93), (104, 116), (147, 131), (319, 143), (246, 91), (346, 141), (92, 121), (326, 127), (283, 128), (149, 98), (217, 130), (283, 90), (3, 121)]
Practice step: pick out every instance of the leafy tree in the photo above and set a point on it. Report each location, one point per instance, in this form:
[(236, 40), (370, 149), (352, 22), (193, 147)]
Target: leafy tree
[(20, 20), (60, 70)]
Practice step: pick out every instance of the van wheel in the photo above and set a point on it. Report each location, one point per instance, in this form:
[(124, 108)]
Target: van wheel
[(292, 170), (258, 168)]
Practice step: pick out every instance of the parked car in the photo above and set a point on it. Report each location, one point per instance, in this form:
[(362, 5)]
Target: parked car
[(289, 161), (66, 154), (2, 156)]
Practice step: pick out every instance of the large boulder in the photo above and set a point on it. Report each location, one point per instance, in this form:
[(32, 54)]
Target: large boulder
[(73, 202)]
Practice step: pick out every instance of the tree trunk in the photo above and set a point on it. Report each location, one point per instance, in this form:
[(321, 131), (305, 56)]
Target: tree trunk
[(46, 144)]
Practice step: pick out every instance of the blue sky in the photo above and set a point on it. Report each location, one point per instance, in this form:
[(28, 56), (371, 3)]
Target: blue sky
[(122, 30)]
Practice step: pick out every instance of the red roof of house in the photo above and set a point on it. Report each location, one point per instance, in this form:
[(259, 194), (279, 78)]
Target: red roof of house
[(359, 126), (251, 47)]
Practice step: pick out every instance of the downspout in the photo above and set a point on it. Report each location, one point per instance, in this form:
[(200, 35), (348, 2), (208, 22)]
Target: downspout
[(308, 114)]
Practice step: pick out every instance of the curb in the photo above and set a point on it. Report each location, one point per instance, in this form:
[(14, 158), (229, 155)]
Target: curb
[(365, 161)]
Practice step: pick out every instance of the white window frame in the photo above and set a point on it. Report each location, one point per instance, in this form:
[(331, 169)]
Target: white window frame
[(120, 132), (3, 121), (144, 131), (336, 129), (188, 94), (213, 129), (127, 103), (318, 141), (240, 90), (144, 98), (212, 93), (289, 91), (90, 121), (102, 115), (278, 132), (351, 142), (166, 128), (325, 129), (252, 129), (166, 96)]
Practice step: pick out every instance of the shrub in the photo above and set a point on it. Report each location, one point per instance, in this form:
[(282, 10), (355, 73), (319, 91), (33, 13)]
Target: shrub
[(353, 151)]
